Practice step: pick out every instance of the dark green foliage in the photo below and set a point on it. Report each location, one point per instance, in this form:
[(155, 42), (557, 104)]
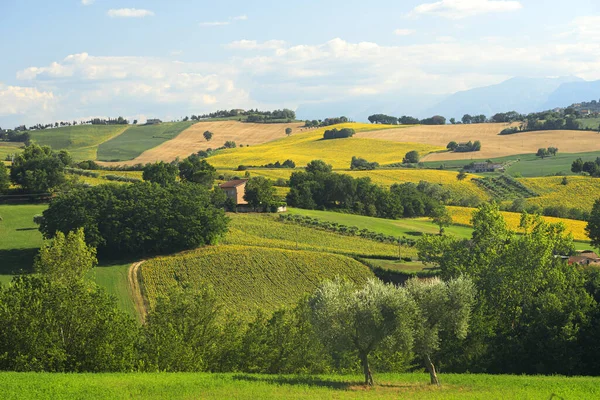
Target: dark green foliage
[(504, 187), (407, 120), (319, 188), (412, 157), (53, 327), (435, 120), (260, 193), (82, 172), (230, 144), (137, 219), (590, 167), (39, 169), (593, 227), (338, 133), (465, 147), (509, 131), (382, 119), (121, 178), (195, 169), (161, 173), (4, 178), (362, 164), (208, 135), (452, 145)]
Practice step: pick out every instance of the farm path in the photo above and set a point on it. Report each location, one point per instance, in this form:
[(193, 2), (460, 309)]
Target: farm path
[(136, 291)]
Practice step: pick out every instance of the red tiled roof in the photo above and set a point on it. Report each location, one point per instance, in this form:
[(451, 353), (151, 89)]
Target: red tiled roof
[(233, 183)]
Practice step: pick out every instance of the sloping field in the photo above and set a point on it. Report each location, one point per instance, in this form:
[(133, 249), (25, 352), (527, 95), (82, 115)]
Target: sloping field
[(265, 230), (247, 278), (81, 141), (303, 148), (8, 149), (139, 138), (492, 144), (463, 215), (192, 140), (579, 192)]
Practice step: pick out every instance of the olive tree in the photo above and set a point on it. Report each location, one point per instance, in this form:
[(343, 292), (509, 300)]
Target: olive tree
[(441, 307), (359, 320)]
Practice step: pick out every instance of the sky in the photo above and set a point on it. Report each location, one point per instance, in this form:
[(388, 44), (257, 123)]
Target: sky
[(76, 59)]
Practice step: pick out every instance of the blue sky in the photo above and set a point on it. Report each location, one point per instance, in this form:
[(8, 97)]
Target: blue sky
[(76, 59)]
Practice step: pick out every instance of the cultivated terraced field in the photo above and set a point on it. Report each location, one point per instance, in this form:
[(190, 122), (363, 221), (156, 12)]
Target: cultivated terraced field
[(580, 191), (139, 138), (81, 141), (492, 144), (191, 140), (247, 278), (305, 147)]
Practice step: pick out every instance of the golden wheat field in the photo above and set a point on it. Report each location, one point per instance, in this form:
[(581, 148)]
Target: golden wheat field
[(305, 147), (492, 144), (463, 215), (192, 140), (579, 192)]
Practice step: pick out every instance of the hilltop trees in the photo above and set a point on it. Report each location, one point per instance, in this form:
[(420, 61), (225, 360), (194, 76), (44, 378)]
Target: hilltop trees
[(39, 169), (382, 119), (138, 219), (338, 133)]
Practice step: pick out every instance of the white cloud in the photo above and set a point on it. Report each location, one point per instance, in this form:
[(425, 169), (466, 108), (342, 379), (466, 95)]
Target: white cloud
[(129, 13), (214, 23), (240, 18), (457, 9), (22, 100), (254, 45), (87, 2), (404, 32)]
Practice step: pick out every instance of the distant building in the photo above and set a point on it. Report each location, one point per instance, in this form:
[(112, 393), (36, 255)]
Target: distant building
[(585, 258), (153, 121), (235, 189), (484, 167)]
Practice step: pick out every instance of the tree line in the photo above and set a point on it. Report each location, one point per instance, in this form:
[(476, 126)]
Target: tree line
[(316, 123), (252, 115)]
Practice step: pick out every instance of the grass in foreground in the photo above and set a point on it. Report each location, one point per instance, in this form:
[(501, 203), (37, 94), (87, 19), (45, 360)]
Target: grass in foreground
[(137, 139), (17, 386)]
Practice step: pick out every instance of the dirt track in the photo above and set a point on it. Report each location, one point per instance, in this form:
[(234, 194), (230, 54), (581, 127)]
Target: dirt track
[(492, 144), (192, 140), (136, 291)]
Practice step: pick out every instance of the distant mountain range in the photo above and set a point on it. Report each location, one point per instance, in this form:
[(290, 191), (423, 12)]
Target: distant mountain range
[(520, 94)]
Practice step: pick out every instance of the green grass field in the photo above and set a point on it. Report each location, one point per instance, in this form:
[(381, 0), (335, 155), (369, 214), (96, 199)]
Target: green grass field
[(528, 165), (592, 123), (137, 139), (81, 141), (8, 149), (26, 386)]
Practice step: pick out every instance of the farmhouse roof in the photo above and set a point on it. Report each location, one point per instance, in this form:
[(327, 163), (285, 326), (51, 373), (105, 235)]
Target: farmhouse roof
[(233, 183)]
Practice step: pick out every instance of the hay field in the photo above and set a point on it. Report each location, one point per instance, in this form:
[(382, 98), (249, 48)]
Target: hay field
[(492, 144), (308, 146), (192, 140)]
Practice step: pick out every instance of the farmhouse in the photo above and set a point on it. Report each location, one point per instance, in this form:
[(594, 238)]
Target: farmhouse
[(153, 121), (585, 258), (235, 189), (484, 167)]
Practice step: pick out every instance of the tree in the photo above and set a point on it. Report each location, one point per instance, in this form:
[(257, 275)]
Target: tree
[(466, 119), (577, 166), (318, 166), (288, 131), (66, 258), (543, 153), (442, 307), (135, 121), (259, 193), (347, 319), (592, 228), (442, 218), (453, 121), (4, 178), (161, 173), (461, 175), (54, 326), (412, 157), (230, 144), (181, 333), (552, 150), (39, 169), (208, 135), (194, 169), (452, 145)]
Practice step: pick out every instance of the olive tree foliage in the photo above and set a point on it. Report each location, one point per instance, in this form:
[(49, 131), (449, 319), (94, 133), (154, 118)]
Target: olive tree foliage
[(66, 257), (442, 307), (56, 326), (360, 320)]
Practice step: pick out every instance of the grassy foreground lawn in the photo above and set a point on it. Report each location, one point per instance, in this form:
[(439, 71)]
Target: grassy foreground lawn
[(248, 386)]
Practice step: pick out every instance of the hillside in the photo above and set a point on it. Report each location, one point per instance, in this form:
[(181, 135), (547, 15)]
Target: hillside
[(247, 278), (579, 192), (81, 141), (305, 147), (191, 140), (492, 144), (139, 138)]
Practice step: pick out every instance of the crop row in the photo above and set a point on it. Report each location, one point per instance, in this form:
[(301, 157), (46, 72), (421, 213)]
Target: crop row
[(247, 278), (504, 187)]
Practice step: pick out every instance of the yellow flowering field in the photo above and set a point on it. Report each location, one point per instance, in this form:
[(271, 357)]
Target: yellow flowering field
[(463, 215), (579, 192), (305, 147)]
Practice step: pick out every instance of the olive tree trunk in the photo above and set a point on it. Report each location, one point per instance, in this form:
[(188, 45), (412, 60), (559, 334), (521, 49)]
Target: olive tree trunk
[(364, 359), (431, 369)]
